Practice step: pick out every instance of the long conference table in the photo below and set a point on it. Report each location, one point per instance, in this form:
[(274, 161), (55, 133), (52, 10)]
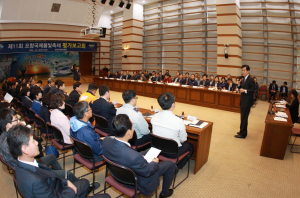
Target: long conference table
[(229, 101)]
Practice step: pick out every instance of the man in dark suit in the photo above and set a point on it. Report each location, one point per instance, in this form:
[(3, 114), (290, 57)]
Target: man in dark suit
[(193, 82), (103, 108), (31, 84), (74, 95), (273, 88), (128, 76), (119, 151), (109, 75), (135, 76), (122, 76), (76, 72), (43, 181), (247, 91), (186, 79), (230, 86), (204, 82), (105, 68), (156, 78), (117, 75), (175, 80), (284, 90)]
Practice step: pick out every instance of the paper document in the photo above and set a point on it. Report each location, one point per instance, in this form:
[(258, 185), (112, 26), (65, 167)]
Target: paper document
[(8, 97), (151, 154), (280, 119), (281, 114), (280, 106), (198, 124)]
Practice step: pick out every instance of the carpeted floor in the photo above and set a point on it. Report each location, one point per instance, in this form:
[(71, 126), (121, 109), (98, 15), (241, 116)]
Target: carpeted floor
[(234, 167)]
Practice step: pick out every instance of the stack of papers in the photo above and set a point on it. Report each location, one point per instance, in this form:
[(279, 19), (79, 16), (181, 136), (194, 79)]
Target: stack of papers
[(281, 114), (225, 90), (195, 123), (280, 119), (185, 85), (8, 97), (281, 106), (151, 154)]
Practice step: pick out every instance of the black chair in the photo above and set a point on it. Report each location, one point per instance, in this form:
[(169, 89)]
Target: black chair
[(101, 123), (59, 143), (21, 109), (16, 186), (29, 117), (120, 175), (69, 110), (85, 153), (170, 147), (138, 148), (43, 126)]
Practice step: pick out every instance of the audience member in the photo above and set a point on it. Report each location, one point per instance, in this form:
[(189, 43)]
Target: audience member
[(18, 91), (230, 86), (74, 95), (167, 79), (204, 82), (89, 95), (31, 83), (44, 182), (168, 125), (273, 88), (53, 85), (104, 108), (37, 104), (294, 106), (82, 130), (45, 112), (26, 101), (58, 118), (140, 125), (284, 90), (118, 150)]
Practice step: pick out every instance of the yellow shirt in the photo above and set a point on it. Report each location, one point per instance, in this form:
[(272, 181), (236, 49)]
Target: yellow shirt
[(88, 97)]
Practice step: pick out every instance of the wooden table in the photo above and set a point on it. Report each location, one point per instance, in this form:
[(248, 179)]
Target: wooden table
[(229, 101), (276, 135), (200, 138)]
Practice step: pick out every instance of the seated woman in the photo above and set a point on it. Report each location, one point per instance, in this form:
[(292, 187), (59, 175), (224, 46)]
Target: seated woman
[(58, 118), (26, 101), (45, 112), (222, 83), (294, 106)]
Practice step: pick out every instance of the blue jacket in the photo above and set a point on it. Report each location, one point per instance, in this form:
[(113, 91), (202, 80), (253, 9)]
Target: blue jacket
[(84, 132), (36, 106)]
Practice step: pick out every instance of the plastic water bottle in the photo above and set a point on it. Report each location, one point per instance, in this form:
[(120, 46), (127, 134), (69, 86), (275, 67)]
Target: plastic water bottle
[(182, 116)]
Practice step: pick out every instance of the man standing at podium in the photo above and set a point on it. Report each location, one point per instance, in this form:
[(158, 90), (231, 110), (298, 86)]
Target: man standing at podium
[(247, 91)]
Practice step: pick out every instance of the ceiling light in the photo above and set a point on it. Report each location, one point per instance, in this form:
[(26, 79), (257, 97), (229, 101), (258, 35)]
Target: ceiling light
[(111, 11), (111, 2), (103, 1), (121, 4), (128, 5)]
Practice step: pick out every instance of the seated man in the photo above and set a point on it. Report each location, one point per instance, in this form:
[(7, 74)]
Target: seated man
[(82, 129), (74, 95), (193, 81), (204, 82), (168, 125), (37, 104), (143, 77), (43, 181), (103, 108), (60, 88), (216, 83), (140, 125), (118, 150), (167, 79), (156, 78), (8, 119), (122, 76), (176, 77), (230, 86), (273, 88), (187, 79), (109, 75), (284, 90), (53, 86), (89, 96), (135, 76), (128, 76), (48, 86), (211, 80)]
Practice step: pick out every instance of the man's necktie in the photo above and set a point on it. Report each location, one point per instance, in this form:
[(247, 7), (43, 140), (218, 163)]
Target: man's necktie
[(186, 81), (244, 79), (229, 87), (273, 87)]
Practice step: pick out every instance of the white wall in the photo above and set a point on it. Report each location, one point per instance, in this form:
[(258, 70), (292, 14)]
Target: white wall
[(104, 21)]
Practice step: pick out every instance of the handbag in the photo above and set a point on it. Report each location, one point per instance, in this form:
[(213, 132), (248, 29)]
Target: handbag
[(52, 150)]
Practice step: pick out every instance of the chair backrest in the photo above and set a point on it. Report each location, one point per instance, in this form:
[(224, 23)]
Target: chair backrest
[(263, 88), (101, 122), (69, 110), (29, 113), (132, 141), (41, 122), (121, 173), (16, 186), (167, 146), (56, 133), (6, 164), (83, 148)]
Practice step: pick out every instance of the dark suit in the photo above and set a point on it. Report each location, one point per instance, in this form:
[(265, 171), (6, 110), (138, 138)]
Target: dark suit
[(122, 76), (246, 104), (175, 80), (210, 83), (128, 77), (77, 74), (43, 182), (135, 77), (156, 79), (273, 94), (147, 174), (73, 98), (110, 76), (231, 88), (105, 69), (218, 85), (204, 83), (294, 109), (46, 89), (285, 93), (117, 76), (193, 82), (105, 109), (45, 115), (186, 81)]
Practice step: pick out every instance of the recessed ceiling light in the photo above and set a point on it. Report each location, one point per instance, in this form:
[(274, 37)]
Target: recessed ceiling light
[(143, 1), (111, 11)]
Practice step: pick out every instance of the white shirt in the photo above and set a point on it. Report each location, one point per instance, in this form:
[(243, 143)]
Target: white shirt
[(123, 142), (61, 121), (34, 163), (167, 125), (140, 125)]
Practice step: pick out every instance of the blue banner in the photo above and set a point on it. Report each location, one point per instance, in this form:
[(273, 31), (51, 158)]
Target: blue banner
[(49, 46)]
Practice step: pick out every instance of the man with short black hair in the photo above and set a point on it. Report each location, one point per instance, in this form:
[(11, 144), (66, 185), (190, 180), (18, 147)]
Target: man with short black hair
[(31, 84), (204, 82), (273, 88), (118, 150), (60, 87), (168, 125), (135, 76), (43, 181), (82, 130), (140, 125), (230, 86), (49, 85), (187, 79), (75, 94), (128, 76), (36, 103), (156, 78), (89, 96), (104, 108), (284, 90), (193, 81), (175, 80)]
